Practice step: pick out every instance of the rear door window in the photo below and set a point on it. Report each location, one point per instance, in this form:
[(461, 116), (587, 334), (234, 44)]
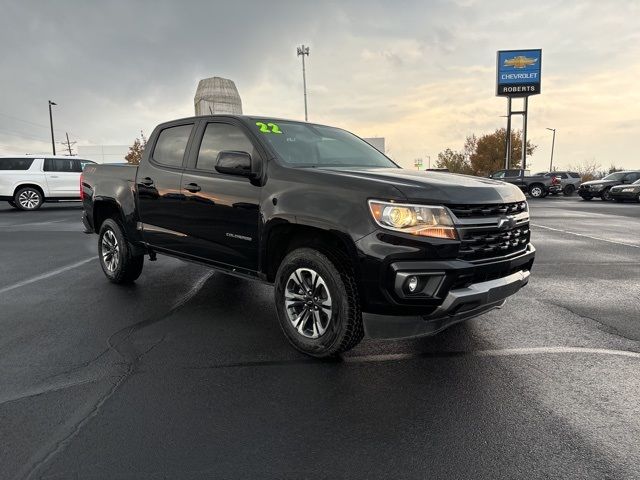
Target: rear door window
[(59, 165), (15, 163), (171, 145)]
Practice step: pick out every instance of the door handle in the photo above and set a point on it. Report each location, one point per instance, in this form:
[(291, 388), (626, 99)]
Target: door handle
[(146, 181), (192, 187), (53, 176)]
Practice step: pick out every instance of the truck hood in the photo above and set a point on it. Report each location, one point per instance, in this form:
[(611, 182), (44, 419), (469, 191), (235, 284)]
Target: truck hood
[(436, 187)]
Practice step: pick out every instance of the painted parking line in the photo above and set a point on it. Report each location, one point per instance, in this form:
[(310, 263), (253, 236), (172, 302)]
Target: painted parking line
[(46, 275), (586, 236)]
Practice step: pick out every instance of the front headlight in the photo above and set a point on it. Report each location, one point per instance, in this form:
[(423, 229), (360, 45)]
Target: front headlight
[(422, 220), (597, 187), (628, 189)]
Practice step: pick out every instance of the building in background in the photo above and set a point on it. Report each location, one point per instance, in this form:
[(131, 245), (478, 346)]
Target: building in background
[(103, 153), (376, 142), (217, 95)]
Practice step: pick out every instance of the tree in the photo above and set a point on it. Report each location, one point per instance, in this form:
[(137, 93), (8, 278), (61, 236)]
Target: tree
[(136, 150), (455, 162), (484, 155), (587, 169), (488, 153)]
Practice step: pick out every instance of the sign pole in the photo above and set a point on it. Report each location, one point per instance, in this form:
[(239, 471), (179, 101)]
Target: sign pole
[(525, 112), (507, 156)]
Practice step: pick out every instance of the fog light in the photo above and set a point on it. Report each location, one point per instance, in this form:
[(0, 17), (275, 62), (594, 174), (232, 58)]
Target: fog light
[(412, 283)]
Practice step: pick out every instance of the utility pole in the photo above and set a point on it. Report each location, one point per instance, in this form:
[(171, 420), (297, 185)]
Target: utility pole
[(68, 145), (302, 51), (53, 141), (553, 144)]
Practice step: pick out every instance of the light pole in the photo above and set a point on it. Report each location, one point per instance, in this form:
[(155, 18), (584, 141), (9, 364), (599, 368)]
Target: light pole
[(553, 144), (53, 141), (302, 51)]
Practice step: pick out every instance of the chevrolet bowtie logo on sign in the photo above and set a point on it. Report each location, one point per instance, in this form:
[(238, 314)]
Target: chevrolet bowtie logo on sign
[(518, 73), (520, 61)]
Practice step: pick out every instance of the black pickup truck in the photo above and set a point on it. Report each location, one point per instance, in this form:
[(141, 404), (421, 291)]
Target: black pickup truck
[(537, 186), (336, 226)]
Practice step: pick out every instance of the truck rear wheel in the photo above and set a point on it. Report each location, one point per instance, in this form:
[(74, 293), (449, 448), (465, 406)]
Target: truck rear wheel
[(317, 303), (116, 259), (537, 191)]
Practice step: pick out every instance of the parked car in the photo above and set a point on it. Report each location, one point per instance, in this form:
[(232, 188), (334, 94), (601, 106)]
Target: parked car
[(602, 188), (537, 186), (620, 193), (336, 226), (26, 182), (570, 181)]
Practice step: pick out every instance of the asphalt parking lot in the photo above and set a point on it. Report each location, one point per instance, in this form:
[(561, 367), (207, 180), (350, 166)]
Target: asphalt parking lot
[(187, 375)]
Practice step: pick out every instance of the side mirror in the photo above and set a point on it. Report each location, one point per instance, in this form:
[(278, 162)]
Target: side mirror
[(235, 163)]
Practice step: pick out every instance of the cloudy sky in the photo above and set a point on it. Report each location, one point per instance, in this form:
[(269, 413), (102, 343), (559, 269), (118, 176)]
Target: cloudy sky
[(421, 74)]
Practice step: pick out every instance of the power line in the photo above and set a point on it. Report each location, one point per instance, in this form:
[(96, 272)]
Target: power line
[(35, 124), (13, 133)]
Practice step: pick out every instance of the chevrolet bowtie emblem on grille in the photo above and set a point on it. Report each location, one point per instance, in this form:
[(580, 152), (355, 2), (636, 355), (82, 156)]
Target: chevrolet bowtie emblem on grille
[(520, 62), (506, 223)]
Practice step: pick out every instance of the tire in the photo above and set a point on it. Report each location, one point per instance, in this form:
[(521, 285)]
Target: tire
[(12, 203), (606, 196), (568, 190), (114, 252), (555, 193), (638, 199), (587, 199), (537, 191), (28, 198), (308, 324)]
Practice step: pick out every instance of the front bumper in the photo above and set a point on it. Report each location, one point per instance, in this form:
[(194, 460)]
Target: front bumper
[(590, 193), (460, 304)]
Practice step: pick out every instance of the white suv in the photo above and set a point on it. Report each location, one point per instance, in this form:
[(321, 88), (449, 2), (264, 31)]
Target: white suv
[(26, 181)]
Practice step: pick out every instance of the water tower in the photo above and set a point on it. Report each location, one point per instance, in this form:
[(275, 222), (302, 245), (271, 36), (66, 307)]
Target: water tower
[(217, 95)]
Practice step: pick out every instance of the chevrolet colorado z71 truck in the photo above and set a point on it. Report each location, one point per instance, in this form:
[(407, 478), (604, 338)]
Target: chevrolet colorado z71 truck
[(337, 227)]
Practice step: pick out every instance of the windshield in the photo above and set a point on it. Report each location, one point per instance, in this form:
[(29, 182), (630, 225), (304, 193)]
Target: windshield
[(307, 145), (615, 176)]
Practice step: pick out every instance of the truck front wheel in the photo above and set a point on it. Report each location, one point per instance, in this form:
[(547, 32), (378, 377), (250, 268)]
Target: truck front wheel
[(317, 303), (116, 259)]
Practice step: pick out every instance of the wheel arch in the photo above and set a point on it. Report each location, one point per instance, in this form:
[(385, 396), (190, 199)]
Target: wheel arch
[(284, 237), (32, 185)]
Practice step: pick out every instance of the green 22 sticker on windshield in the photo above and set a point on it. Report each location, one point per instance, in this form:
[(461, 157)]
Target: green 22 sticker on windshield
[(268, 127)]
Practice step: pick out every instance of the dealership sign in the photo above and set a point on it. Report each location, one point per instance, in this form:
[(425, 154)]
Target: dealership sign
[(518, 73)]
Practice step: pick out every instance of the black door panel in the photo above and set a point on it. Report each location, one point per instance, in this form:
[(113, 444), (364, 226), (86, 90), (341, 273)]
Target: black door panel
[(221, 212), (159, 181)]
